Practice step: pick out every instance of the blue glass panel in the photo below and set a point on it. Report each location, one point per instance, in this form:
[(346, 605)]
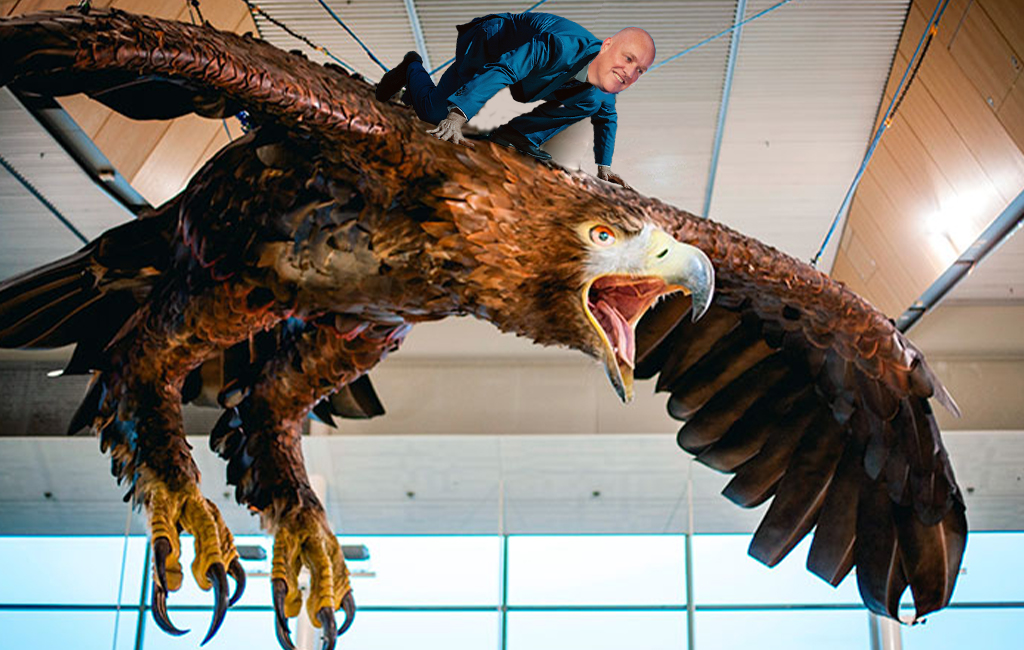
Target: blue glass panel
[(723, 574), (428, 570), (69, 570), (956, 629), (422, 631), (783, 630), (248, 630), (597, 570), (993, 569), (58, 630), (596, 630)]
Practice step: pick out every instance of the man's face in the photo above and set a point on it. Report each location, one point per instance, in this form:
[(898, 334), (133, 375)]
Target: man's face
[(621, 61)]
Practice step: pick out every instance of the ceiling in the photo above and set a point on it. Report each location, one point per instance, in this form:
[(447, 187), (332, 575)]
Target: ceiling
[(806, 85), (479, 484)]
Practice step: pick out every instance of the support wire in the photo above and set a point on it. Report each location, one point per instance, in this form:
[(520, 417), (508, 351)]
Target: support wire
[(897, 98)]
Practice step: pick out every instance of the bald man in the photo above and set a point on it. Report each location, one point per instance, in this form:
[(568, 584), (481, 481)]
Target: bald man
[(540, 57)]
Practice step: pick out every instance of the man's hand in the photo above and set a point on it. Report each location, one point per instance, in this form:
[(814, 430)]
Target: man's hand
[(450, 128), (605, 173)]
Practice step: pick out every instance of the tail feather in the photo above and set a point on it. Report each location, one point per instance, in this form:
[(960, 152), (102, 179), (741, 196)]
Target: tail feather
[(70, 299)]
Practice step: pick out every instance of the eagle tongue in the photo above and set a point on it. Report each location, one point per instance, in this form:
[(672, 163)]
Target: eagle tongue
[(618, 330)]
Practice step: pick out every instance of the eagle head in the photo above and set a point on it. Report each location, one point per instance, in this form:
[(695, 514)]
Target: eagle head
[(582, 278), (624, 273)]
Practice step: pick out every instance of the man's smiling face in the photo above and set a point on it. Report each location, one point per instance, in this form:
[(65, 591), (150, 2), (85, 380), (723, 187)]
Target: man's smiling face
[(622, 60)]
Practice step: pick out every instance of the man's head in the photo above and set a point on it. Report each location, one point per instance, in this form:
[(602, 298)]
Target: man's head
[(622, 59)]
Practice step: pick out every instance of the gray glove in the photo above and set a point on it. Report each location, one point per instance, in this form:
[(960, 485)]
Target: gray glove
[(450, 128), (605, 173)]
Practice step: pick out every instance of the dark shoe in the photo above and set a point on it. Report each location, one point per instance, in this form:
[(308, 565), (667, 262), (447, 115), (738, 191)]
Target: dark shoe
[(395, 78), (506, 136)]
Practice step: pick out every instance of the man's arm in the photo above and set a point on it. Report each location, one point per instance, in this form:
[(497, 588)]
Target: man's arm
[(605, 122)]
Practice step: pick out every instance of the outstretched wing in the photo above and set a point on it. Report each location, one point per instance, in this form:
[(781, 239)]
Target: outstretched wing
[(149, 68), (813, 399)]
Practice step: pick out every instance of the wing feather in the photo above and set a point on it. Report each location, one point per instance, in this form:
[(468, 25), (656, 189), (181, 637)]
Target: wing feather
[(730, 356), (801, 493), (755, 480)]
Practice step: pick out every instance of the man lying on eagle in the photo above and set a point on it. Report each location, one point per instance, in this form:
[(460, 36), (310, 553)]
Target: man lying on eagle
[(302, 254)]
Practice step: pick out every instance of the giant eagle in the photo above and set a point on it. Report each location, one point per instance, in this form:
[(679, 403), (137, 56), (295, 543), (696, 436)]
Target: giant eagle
[(306, 250)]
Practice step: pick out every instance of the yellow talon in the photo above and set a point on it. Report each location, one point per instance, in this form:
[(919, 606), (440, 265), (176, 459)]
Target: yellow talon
[(304, 538), (188, 508)]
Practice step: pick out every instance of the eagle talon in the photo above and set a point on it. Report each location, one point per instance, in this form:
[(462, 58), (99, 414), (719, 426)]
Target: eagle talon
[(329, 626), (236, 571), (280, 589), (348, 604), (161, 550), (219, 579)]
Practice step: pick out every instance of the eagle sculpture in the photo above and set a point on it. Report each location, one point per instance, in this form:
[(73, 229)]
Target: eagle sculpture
[(303, 253)]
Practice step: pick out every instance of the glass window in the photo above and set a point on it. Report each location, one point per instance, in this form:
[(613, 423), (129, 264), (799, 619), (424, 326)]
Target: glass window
[(87, 570), (422, 631), (723, 574), (249, 630), (596, 630), (783, 630), (993, 569), (429, 571), (956, 629), (82, 630), (596, 570)]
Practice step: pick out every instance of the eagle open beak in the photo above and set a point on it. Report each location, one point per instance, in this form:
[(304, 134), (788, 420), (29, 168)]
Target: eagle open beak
[(614, 303)]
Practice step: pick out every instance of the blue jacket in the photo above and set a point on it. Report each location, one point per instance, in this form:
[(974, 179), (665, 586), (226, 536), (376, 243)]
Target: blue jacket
[(533, 54)]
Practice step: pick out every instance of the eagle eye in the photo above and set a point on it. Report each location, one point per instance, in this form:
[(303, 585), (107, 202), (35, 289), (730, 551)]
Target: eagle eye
[(602, 235)]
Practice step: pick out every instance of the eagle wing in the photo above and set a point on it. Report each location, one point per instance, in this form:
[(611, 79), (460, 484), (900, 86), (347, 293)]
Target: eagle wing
[(811, 397), (149, 68)]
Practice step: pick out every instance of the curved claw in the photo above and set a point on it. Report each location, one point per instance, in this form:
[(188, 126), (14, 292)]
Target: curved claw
[(280, 589), (348, 603), (161, 550), (236, 571), (328, 626), (219, 578)]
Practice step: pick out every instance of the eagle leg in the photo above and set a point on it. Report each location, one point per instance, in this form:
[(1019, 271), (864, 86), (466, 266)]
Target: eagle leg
[(135, 405), (261, 438)]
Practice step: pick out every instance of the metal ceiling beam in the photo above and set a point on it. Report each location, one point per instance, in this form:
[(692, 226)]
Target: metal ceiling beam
[(1000, 230), (723, 106), (417, 33)]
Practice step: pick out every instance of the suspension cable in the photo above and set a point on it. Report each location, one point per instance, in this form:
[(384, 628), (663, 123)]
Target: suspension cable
[(897, 98), (257, 10), (719, 35), (338, 20)]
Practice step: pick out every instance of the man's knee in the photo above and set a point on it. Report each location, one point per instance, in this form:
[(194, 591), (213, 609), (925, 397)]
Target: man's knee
[(424, 96)]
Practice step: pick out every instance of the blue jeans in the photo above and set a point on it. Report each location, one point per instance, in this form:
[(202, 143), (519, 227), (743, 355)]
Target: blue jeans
[(429, 100)]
